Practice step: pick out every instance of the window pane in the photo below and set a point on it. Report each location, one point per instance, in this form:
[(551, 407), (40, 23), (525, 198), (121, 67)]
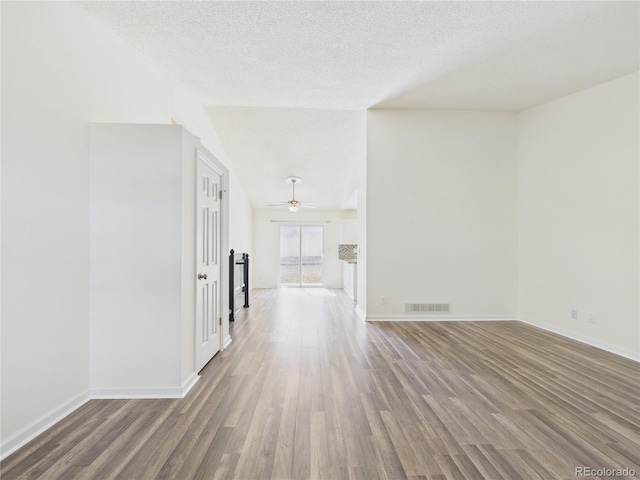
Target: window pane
[(311, 255), (289, 255)]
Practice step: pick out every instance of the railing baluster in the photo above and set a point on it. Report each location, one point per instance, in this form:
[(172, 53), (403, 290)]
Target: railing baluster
[(245, 282)]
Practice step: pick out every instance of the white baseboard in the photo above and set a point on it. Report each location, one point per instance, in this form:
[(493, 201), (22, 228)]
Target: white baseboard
[(189, 383), (623, 352), (123, 393), (361, 315), (441, 318), (226, 342), (31, 431), (25, 435)]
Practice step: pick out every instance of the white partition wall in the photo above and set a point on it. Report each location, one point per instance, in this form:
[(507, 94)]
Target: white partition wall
[(441, 212), (136, 230), (579, 215), (142, 260)]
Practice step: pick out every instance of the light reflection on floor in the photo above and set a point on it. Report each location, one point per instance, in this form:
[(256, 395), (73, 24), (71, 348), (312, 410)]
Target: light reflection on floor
[(308, 291)]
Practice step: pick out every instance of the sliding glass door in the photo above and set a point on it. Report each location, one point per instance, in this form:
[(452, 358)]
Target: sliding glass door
[(301, 256)]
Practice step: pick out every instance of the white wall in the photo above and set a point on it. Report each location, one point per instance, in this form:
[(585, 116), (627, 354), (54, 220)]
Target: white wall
[(188, 112), (61, 71), (49, 82), (349, 230), (136, 256), (579, 215), (241, 234), (266, 243), (360, 162), (442, 212)]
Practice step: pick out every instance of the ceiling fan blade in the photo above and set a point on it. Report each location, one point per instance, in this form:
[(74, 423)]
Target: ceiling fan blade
[(293, 204)]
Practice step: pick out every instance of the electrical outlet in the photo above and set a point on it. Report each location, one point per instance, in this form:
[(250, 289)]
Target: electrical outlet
[(592, 317), (383, 300), (574, 314)]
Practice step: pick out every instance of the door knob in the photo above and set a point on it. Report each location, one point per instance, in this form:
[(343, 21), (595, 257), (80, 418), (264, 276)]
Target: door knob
[(202, 276)]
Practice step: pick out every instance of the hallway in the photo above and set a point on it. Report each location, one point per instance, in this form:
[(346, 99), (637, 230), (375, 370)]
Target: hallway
[(307, 390)]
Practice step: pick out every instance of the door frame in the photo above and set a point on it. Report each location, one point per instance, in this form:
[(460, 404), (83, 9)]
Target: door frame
[(212, 162)]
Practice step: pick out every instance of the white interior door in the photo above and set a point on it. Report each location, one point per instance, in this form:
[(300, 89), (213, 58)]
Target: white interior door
[(208, 271)]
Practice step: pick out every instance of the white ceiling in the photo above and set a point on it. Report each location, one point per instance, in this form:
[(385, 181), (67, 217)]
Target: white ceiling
[(270, 144), (282, 79)]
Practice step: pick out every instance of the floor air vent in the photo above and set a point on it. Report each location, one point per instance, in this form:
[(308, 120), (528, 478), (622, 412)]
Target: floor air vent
[(427, 307)]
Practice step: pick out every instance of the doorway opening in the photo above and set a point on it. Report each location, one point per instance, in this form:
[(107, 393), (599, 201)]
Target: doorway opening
[(301, 256)]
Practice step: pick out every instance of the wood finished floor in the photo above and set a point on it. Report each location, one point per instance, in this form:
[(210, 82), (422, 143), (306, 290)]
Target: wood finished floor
[(306, 390)]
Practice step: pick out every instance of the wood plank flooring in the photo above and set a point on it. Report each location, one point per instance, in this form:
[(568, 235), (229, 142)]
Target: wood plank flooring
[(306, 390)]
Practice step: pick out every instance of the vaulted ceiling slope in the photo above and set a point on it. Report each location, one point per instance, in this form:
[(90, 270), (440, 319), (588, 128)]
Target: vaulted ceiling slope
[(333, 55), (270, 144)]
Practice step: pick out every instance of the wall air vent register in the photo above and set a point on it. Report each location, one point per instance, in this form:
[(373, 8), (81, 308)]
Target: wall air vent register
[(427, 308)]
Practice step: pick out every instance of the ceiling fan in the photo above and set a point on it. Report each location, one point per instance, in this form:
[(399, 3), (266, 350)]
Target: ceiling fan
[(293, 205)]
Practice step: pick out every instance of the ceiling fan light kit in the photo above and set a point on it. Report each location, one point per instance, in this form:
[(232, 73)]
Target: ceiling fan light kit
[(294, 205)]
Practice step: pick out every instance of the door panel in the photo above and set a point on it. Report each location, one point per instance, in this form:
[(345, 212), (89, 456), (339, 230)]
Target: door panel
[(208, 315)]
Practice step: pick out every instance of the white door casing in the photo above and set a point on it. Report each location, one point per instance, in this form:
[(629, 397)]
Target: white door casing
[(208, 261)]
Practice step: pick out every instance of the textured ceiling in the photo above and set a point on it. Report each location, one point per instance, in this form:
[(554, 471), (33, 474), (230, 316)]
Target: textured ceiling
[(357, 55), (274, 143)]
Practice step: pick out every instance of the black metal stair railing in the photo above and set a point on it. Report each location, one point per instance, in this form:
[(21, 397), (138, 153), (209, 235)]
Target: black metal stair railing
[(244, 261)]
